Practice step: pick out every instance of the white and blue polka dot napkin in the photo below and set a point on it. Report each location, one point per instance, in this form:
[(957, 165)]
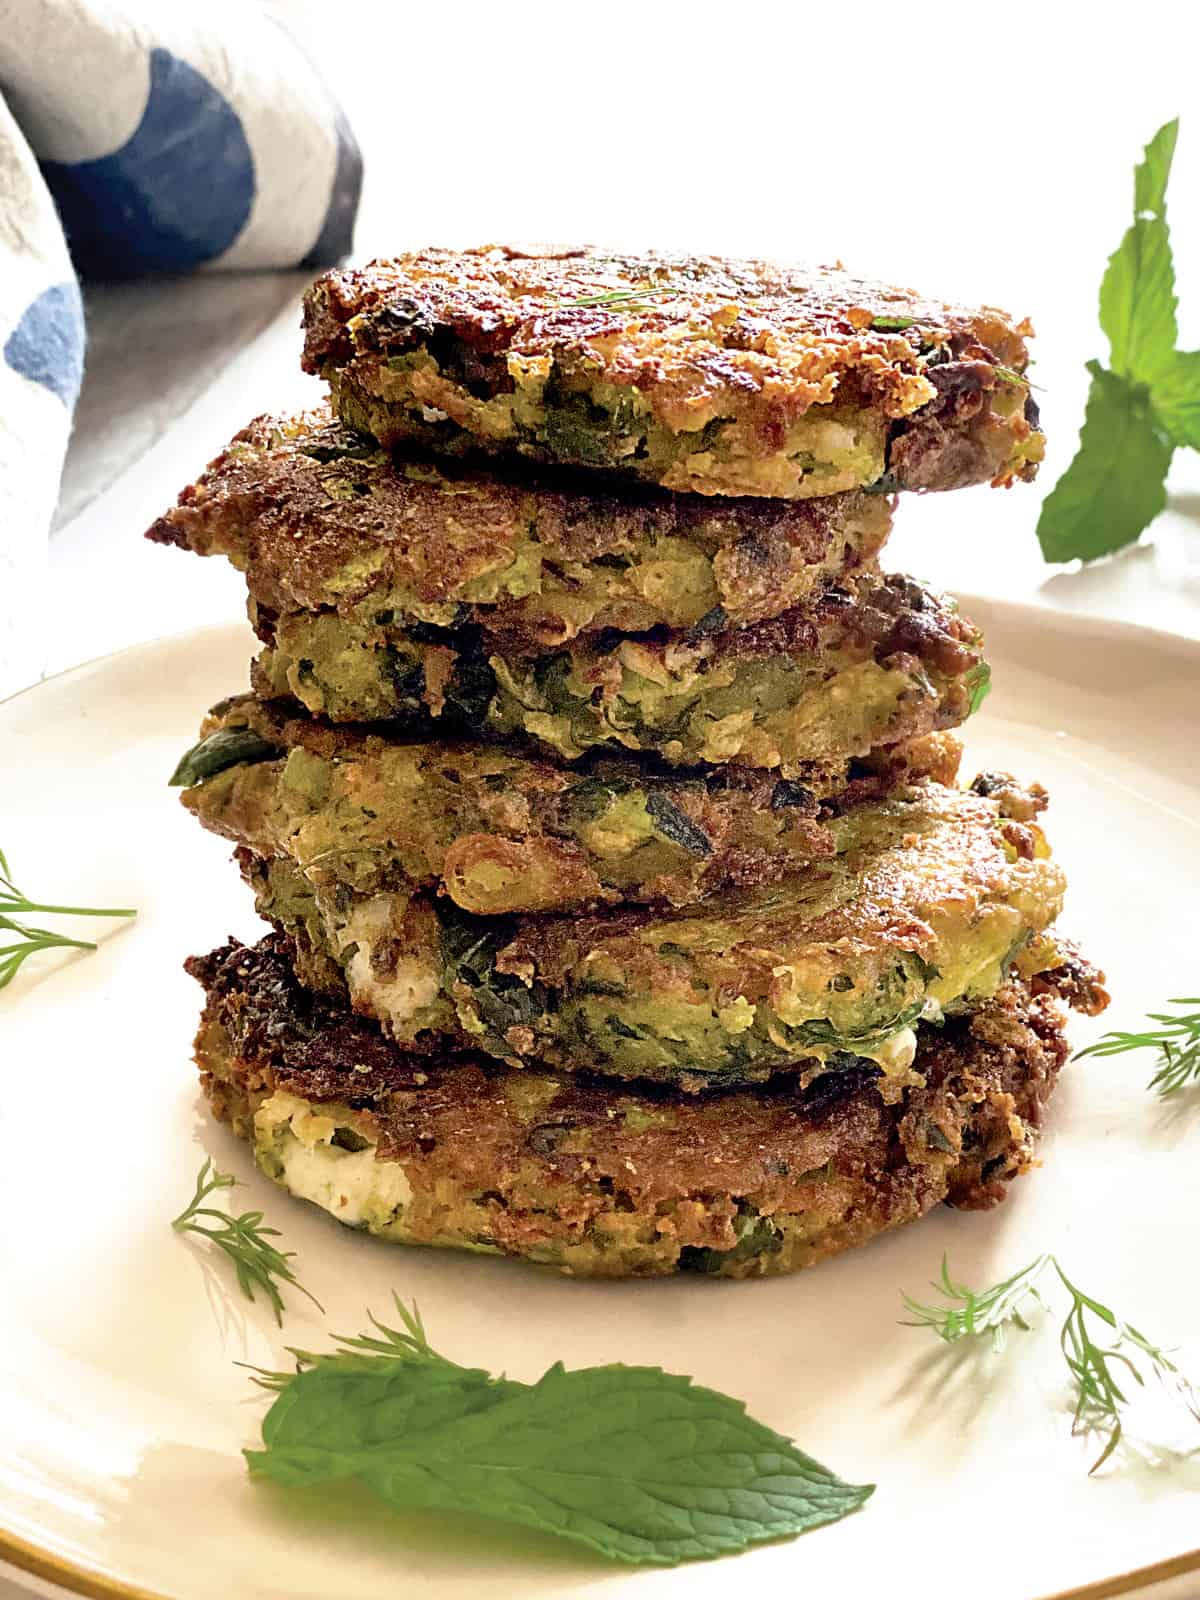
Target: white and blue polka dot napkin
[(138, 138)]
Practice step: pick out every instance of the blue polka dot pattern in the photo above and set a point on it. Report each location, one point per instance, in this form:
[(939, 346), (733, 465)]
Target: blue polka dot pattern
[(46, 346), (337, 231), (176, 194)]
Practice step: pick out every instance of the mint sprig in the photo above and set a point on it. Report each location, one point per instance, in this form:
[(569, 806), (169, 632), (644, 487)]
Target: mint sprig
[(1145, 403), (637, 1464), (1137, 294), (1116, 485), (1177, 398)]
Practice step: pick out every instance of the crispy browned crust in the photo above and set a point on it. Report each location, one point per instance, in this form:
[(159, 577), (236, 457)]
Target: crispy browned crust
[(970, 862), (1076, 981), (429, 813), (788, 332), (708, 337), (936, 756), (892, 613), (591, 692), (317, 517), (541, 1170)]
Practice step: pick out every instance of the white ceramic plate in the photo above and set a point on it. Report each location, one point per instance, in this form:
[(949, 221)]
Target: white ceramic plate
[(122, 1413)]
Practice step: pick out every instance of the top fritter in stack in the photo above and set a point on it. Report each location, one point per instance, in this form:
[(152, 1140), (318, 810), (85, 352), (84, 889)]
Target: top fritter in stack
[(599, 784)]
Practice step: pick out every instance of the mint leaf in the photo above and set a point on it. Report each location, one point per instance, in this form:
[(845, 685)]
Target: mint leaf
[(1149, 402), (376, 1386), (633, 1462), (1150, 177), (1116, 484), (1137, 295), (1175, 398), (325, 1422)]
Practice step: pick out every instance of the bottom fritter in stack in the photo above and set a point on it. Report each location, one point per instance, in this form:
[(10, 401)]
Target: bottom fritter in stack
[(619, 1180), (628, 914)]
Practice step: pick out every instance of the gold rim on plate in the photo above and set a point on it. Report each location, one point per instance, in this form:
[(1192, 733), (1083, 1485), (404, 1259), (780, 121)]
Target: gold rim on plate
[(44, 1564), (50, 1568)]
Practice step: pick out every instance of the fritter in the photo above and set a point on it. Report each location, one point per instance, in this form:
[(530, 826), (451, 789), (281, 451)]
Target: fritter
[(501, 832), (463, 1153), (696, 373), (869, 663), (319, 518), (929, 901)]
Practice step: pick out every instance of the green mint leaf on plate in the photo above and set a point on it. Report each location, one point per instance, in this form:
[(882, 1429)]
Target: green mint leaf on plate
[(635, 1463), (1116, 485), (1137, 295)]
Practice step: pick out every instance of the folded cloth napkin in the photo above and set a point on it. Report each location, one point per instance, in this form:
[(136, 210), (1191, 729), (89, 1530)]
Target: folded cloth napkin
[(137, 138)]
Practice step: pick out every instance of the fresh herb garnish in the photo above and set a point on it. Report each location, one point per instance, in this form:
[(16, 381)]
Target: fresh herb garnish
[(243, 1239), (30, 941), (1146, 403), (1097, 1368), (224, 748), (1177, 1041), (990, 1311), (617, 297), (891, 324), (979, 685), (1010, 375), (633, 1462)]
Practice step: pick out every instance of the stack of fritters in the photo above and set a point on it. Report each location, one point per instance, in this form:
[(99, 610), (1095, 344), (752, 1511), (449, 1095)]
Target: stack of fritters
[(599, 784)]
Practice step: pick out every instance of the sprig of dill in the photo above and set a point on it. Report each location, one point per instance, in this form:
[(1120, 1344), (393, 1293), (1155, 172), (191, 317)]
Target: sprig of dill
[(990, 1311), (1010, 375), (402, 1345), (1177, 1040), (243, 1239), (30, 941), (1098, 1367), (1099, 1397), (620, 297)]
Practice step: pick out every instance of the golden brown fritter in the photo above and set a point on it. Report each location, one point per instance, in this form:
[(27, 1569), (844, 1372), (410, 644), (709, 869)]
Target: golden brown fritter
[(461, 1152), (927, 903), (869, 663), (318, 518), (500, 831), (700, 374)]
